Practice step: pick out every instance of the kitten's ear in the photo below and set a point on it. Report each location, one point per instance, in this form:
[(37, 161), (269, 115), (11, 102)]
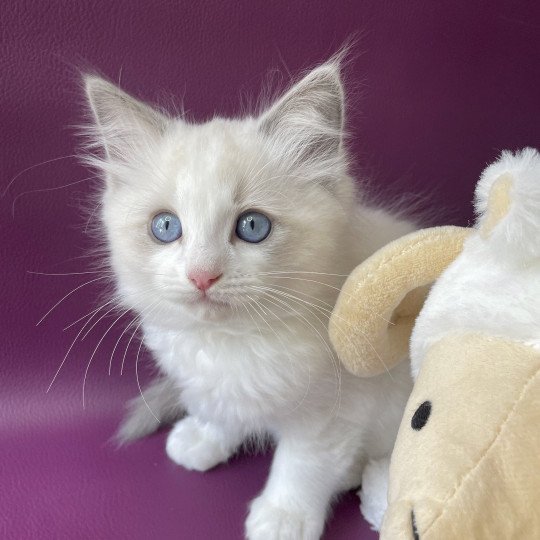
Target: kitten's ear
[(124, 125), (308, 119)]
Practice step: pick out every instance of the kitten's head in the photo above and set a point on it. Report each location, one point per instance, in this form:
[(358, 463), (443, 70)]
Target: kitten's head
[(201, 218)]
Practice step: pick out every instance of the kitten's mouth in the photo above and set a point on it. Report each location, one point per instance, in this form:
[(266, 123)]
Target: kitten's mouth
[(205, 300), (202, 300)]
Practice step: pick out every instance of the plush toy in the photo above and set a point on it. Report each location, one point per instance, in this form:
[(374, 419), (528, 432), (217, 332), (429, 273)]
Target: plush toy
[(466, 464)]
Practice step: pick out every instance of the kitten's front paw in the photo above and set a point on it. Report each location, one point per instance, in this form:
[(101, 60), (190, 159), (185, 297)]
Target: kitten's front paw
[(267, 521), (197, 446), (374, 492)]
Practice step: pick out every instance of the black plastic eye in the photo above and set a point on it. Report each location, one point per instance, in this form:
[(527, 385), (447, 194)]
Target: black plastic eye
[(421, 416), (415, 534)]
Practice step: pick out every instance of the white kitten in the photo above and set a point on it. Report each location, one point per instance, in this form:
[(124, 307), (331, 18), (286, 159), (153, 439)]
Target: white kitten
[(259, 224)]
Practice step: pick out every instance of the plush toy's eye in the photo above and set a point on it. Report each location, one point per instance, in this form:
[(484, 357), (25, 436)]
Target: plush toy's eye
[(253, 227), (166, 227), (415, 534), (421, 415)]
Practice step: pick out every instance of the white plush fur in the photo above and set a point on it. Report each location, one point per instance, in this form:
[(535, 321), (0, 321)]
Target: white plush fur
[(374, 492), (252, 358), (500, 270)]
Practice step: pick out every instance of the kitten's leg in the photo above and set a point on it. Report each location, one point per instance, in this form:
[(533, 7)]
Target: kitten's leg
[(201, 445), (305, 475), (374, 492)]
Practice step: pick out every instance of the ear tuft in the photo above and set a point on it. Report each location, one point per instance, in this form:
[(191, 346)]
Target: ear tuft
[(122, 123), (308, 120)]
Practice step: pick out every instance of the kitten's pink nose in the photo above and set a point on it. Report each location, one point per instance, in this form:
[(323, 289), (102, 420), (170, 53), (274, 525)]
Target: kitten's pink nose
[(203, 280)]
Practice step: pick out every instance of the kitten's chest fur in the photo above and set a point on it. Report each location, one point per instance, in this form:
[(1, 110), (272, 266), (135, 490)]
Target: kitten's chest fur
[(245, 376)]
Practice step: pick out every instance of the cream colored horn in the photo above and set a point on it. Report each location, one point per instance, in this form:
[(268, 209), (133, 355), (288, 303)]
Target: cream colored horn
[(375, 312)]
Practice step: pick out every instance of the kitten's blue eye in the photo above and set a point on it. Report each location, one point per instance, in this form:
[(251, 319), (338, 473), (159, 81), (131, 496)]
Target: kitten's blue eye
[(253, 227), (166, 227)]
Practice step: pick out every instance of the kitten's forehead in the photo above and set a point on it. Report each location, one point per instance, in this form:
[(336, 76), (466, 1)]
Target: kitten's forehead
[(212, 163)]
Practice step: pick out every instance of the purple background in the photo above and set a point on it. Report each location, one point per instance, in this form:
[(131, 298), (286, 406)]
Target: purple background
[(437, 90)]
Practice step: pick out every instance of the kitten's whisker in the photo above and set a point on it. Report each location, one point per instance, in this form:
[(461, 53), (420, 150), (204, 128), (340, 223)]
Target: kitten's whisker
[(91, 217), (308, 386), (343, 331), (304, 304), (94, 313), (68, 273), (278, 276), (119, 339), (253, 302), (296, 299), (105, 273), (138, 382), (252, 318), (68, 295), (326, 285), (136, 293), (155, 305), (299, 272), (304, 397), (325, 313), (287, 354), (69, 350), (44, 190), (328, 348), (258, 304), (94, 352), (145, 312), (98, 320), (33, 167), (125, 312), (307, 295), (128, 344), (85, 256), (264, 290), (87, 315)]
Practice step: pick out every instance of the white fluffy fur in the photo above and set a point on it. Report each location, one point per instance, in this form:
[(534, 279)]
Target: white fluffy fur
[(253, 357), (374, 492), (517, 234), (500, 270)]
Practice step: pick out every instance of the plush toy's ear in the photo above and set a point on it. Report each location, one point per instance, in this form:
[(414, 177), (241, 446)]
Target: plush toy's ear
[(373, 318), (507, 199)]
